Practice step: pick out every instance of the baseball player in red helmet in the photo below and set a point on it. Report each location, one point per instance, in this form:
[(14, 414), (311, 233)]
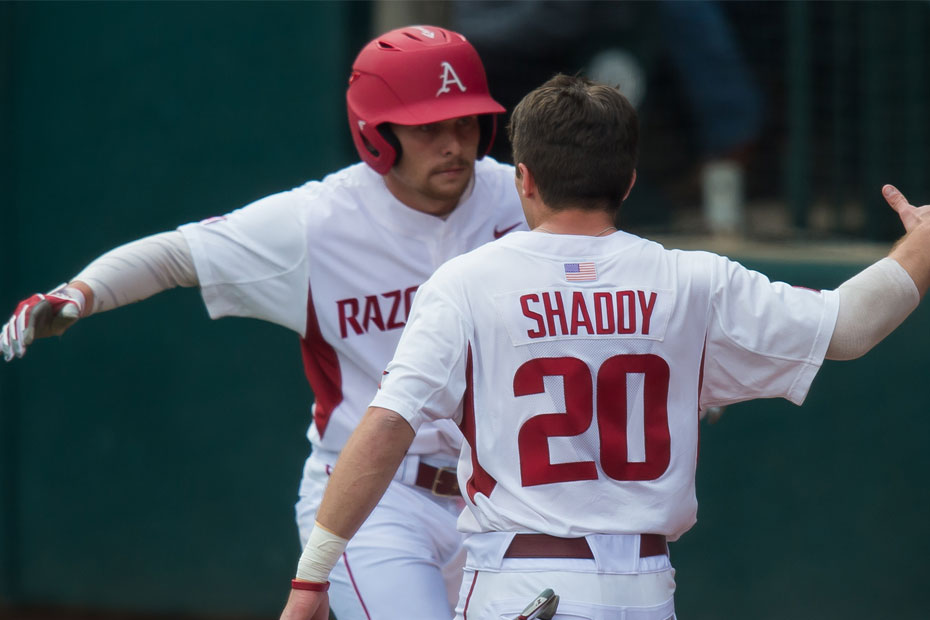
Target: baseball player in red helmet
[(575, 358), (338, 262)]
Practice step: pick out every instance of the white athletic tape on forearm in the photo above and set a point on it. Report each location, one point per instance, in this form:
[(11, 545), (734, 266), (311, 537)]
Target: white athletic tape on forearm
[(69, 292), (872, 304), (320, 555), (138, 270)]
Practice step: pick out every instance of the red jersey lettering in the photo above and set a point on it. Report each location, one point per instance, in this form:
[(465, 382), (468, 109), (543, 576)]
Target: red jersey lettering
[(393, 323), (646, 308), (598, 313), (372, 313), (348, 318), (604, 313), (626, 312), (580, 316), (540, 327), (554, 311)]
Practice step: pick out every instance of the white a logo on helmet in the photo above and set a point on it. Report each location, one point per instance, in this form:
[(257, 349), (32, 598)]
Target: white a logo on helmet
[(448, 78), (361, 125), (429, 34)]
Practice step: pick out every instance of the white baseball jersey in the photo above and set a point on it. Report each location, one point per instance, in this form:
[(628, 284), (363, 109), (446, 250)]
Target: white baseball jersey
[(338, 261), (576, 367)]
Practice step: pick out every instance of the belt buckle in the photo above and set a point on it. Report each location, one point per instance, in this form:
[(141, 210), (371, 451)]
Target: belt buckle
[(437, 481)]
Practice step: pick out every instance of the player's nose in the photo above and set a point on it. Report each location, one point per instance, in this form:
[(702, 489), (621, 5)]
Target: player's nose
[(451, 142)]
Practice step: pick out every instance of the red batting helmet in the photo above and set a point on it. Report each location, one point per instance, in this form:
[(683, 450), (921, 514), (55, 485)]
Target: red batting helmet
[(415, 76)]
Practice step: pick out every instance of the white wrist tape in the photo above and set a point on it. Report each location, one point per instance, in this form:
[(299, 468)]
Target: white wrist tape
[(138, 270), (872, 304), (320, 555), (68, 292)]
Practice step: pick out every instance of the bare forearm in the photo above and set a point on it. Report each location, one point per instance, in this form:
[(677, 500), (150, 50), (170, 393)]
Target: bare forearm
[(364, 470), (362, 473), (913, 251)]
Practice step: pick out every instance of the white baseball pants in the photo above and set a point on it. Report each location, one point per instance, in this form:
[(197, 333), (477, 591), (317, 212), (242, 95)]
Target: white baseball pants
[(405, 561), (619, 585)]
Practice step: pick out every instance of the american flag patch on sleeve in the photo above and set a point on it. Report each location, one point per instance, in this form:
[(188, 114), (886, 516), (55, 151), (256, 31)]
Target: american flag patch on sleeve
[(580, 272)]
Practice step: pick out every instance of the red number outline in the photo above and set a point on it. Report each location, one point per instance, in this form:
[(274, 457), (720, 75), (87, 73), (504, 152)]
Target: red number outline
[(533, 438)]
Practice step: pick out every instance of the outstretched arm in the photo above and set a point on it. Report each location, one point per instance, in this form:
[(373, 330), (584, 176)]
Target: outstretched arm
[(360, 477), (875, 301), (913, 250), (127, 274)]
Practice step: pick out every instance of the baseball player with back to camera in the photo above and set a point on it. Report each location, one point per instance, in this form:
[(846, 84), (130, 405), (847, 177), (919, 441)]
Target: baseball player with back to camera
[(338, 262), (575, 357)]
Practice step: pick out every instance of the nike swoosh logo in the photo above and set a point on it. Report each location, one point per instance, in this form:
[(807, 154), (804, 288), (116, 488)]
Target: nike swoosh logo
[(500, 233)]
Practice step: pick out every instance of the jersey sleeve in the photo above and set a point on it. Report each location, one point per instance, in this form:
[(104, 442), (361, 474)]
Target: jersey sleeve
[(253, 262), (764, 339), (426, 379)]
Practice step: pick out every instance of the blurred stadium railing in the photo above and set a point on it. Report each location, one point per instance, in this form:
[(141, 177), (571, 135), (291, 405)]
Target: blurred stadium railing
[(857, 111), (844, 92)]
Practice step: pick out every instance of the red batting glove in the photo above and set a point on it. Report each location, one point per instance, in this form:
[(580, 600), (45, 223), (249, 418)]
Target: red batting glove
[(40, 316)]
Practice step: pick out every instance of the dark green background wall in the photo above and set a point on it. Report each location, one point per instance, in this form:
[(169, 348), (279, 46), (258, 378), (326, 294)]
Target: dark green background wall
[(818, 511), (149, 459)]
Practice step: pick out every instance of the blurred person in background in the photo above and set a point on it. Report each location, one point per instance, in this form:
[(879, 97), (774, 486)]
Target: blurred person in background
[(622, 43)]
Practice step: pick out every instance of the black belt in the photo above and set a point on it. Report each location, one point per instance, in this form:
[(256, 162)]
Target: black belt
[(440, 481), (545, 546)]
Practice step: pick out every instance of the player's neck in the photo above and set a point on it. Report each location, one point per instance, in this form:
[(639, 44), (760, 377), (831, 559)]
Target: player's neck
[(431, 206), (575, 222), (420, 198)]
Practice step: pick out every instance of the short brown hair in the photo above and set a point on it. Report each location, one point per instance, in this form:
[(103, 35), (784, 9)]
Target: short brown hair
[(579, 139)]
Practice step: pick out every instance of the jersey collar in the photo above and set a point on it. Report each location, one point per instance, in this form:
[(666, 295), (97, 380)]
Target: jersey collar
[(406, 221)]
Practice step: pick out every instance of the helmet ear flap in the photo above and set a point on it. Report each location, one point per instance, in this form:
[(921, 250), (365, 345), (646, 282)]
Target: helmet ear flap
[(487, 126), (376, 147), (391, 138)]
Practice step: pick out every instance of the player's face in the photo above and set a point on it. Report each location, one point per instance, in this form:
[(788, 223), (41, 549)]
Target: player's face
[(437, 162)]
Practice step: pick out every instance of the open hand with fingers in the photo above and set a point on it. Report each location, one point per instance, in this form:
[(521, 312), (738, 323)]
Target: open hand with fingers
[(913, 250), (910, 215), (40, 316)]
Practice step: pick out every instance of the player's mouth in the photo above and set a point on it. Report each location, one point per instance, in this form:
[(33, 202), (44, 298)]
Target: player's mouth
[(451, 171)]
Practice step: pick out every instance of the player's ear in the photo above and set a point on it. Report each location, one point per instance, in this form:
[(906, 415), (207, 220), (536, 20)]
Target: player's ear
[(630, 188), (526, 184)]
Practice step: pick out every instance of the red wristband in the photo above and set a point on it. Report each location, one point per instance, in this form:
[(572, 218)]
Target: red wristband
[(309, 585)]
